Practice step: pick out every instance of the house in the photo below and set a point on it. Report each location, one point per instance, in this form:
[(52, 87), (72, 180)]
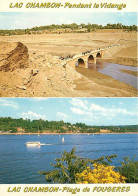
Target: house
[(104, 131), (20, 129), (83, 30)]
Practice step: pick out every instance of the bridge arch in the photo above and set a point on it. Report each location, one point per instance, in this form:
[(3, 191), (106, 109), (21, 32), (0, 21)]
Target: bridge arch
[(98, 55), (91, 59), (80, 63)]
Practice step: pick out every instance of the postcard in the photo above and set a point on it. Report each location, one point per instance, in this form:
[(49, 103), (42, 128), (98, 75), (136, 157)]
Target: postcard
[(68, 97)]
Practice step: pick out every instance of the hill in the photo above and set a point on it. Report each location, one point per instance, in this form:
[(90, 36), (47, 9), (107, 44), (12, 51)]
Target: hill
[(10, 125), (66, 28)]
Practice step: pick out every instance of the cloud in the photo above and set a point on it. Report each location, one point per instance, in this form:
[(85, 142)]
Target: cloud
[(110, 111), (62, 115), (78, 111), (7, 103), (81, 111), (94, 111), (95, 107), (39, 99), (32, 115), (79, 102)]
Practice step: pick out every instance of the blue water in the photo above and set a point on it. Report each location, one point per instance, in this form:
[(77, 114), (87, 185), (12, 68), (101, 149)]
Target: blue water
[(20, 164)]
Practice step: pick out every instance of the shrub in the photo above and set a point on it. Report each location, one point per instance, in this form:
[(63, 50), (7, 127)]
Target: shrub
[(100, 174), (129, 169)]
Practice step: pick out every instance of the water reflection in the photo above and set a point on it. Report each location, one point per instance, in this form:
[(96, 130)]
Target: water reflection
[(97, 66), (33, 148)]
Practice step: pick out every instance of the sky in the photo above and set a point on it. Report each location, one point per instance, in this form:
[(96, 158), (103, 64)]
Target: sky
[(22, 20), (91, 111)]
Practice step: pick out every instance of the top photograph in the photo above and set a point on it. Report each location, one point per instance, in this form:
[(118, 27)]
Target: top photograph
[(63, 54)]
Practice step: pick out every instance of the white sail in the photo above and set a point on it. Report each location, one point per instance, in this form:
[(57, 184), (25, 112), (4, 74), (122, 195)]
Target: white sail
[(63, 139)]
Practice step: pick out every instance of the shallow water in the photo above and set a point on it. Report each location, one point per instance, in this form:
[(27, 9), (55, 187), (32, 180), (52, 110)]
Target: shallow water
[(20, 164), (113, 70)]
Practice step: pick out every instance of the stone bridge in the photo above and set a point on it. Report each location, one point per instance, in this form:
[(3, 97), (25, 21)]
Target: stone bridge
[(87, 58)]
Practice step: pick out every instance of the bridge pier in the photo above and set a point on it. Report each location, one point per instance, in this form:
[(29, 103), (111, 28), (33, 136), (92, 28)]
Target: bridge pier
[(102, 54), (86, 64), (94, 60)]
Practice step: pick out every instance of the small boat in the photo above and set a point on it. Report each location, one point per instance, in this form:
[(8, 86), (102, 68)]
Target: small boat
[(33, 144), (63, 139)]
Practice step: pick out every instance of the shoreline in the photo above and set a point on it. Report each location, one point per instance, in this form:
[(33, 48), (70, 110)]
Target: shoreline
[(65, 133)]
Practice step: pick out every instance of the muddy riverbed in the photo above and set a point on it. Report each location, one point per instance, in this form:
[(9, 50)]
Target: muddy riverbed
[(114, 70)]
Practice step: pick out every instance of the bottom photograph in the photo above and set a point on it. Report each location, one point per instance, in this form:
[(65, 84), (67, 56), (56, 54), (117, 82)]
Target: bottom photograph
[(68, 140)]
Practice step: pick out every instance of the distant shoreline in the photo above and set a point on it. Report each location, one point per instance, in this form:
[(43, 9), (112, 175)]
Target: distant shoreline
[(65, 133)]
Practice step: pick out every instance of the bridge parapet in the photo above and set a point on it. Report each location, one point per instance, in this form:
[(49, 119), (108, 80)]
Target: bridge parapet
[(93, 52), (86, 55)]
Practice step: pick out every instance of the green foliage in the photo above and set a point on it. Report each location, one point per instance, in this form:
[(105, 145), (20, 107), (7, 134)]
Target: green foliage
[(73, 26), (62, 130), (89, 29), (121, 128), (14, 130), (129, 169), (69, 165), (40, 125)]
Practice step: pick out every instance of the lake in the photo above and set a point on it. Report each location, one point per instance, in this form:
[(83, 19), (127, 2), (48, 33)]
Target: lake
[(20, 164)]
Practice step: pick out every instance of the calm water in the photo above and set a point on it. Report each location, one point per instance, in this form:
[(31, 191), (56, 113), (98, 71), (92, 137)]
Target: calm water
[(20, 164), (114, 70)]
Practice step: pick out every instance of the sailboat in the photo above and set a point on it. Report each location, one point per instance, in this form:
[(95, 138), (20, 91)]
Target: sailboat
[(63, 139)]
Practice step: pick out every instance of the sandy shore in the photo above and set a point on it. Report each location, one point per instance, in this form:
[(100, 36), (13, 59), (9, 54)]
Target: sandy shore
[(65, 133)]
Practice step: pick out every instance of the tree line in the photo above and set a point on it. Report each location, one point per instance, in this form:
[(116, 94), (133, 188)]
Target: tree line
[(73, 26), (8, 124)]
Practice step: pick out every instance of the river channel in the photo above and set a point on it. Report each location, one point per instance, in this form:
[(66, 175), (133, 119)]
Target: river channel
[(114, 70)]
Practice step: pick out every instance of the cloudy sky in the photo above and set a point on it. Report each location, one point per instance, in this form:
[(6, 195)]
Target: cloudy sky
[(92, 111), (15, 20)]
